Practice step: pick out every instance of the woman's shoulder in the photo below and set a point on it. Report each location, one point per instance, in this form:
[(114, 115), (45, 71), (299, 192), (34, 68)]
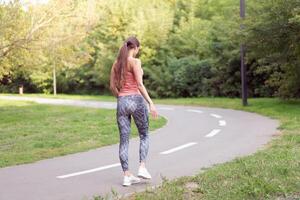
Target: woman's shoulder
[(134, 62)]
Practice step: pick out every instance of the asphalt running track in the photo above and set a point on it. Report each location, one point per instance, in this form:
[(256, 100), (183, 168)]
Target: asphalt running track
[(193, 138)]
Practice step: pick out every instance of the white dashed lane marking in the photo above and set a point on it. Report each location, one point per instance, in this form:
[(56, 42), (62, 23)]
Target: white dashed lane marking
[(89, 171), (213, 133), (216, 116), (165, 108), (178, 148), (107, 104), (196, 111), (222, 123)]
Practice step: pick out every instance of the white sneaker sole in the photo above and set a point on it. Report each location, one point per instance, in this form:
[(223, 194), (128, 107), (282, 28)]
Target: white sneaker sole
[(136, 182), (128, 184), (143, 177)]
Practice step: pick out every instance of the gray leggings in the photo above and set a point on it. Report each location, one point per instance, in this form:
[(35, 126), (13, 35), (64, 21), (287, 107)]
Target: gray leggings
[(134, 105)]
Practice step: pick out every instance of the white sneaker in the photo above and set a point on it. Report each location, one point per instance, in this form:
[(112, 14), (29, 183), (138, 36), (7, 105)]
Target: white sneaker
[(128, 180), (143, 173)]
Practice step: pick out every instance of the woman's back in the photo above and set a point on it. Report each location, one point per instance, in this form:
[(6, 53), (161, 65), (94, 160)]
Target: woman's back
[(130, 84)]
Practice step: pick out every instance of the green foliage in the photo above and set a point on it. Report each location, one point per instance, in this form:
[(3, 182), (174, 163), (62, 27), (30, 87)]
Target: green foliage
[(273, 38), (191, 76), (188, 47)]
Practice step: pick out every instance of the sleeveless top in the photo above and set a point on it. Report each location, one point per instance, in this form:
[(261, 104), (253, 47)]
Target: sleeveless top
[(130, 85)]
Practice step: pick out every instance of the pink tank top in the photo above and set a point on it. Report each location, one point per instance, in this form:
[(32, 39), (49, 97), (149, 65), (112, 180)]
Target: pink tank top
[(130, 85)]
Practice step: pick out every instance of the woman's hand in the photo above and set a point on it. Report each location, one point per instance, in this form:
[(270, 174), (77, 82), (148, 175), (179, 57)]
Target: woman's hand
[(153, 111)]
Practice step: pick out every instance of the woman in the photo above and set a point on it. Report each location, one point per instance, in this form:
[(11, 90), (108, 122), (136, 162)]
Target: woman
[(126, 83)]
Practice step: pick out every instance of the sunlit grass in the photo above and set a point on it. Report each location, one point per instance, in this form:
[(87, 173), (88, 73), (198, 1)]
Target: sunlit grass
[(65, 96), (31, 132)]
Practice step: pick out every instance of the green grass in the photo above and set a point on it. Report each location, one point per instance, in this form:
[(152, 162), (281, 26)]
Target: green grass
[(66, 96), (268, 174), (31, 131)]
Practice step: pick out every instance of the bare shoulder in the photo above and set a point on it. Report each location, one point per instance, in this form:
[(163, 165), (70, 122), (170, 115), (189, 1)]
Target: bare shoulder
[(135, 63)]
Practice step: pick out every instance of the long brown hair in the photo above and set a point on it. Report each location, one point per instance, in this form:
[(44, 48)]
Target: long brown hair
[(121, 64)]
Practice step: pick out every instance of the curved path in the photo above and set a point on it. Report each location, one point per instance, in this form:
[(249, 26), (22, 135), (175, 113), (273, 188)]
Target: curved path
[(194, 138)]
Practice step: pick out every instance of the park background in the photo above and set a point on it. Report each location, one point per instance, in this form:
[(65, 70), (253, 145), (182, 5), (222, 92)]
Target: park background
[(190, 52), (189, 48)]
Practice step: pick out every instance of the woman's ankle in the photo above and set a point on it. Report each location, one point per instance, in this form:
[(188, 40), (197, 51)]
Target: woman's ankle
[(127, 173), (142, 164)]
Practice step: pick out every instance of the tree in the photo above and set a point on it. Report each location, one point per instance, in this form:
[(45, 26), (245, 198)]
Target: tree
[(273, 38)]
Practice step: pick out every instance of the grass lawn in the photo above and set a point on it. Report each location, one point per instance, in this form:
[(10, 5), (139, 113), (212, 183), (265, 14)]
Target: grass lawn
[(31, 131), (67, 96)]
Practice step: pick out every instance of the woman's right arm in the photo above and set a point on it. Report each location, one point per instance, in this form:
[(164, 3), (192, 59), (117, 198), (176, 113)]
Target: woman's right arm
[(137, 70), (112, 85)]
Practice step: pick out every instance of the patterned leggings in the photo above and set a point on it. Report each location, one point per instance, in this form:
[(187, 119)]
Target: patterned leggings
[(134, 105)]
